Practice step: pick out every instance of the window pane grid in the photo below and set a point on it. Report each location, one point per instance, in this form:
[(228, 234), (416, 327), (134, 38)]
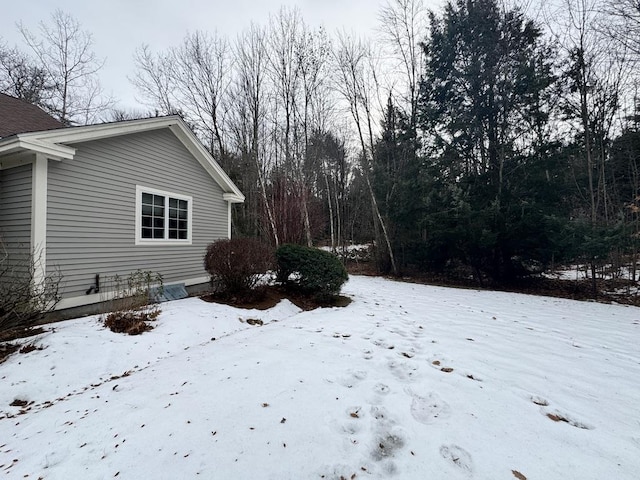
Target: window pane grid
[(178, 211), (164, 218), (152, 216)]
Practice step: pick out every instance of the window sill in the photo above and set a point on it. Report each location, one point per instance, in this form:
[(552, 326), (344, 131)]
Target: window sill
[(162, 243)]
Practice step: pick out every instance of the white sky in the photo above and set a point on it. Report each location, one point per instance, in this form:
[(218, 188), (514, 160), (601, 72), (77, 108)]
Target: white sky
[(120, 26)]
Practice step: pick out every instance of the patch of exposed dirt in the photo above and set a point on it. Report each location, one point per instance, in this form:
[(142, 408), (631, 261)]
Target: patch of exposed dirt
[(16, 333), (268, 297), (30, 347), (7, 349)]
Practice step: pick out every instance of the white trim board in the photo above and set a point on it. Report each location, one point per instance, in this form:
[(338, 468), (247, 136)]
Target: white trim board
[(140, 189), (81, 301), (56, 144), (39, 174)]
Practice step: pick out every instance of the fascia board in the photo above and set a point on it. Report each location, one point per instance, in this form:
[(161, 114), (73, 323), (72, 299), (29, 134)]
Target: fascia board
[(51, 140), (104, 130), (233, 198), (20, 144), (194, 146), (52, 150)]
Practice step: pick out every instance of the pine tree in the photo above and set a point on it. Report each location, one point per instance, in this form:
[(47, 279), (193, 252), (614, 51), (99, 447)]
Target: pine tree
[(485, 106)]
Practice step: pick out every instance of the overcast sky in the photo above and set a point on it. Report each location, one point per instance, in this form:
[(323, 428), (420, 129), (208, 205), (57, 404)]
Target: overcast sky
[(120, 26)]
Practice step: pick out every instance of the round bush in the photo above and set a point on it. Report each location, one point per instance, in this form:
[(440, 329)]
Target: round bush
[(237, 265), (313, 271)]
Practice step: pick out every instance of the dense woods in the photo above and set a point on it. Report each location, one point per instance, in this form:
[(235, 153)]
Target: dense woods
[(493, 139)]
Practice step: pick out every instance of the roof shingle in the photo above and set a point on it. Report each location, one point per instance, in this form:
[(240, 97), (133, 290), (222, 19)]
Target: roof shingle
[(18, 116)]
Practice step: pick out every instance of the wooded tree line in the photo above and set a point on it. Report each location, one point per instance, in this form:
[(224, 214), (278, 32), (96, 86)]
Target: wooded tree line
[(492, 138)]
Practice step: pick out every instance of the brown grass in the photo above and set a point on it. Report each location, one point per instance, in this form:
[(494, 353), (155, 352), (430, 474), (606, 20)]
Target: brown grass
[(130, 322)]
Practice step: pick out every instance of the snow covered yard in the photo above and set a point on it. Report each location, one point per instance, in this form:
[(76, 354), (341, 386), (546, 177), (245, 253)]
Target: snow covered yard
[(409, 382)]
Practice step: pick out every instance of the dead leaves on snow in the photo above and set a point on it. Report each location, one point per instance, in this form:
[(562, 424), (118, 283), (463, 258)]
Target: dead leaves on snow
[(437, 363)]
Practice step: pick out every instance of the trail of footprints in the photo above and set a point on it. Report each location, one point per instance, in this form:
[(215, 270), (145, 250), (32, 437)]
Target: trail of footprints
[(388, 438)]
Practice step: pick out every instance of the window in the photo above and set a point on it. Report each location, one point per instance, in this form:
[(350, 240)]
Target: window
[(162, 217)]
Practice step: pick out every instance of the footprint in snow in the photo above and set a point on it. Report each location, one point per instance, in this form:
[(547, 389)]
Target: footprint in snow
[(352, 377), (458, 457), (386, 444), (351, 428), (382, 343), (381, 416), (539, 401), (381, 388), (398, 332), (401, 370), (428, 409)]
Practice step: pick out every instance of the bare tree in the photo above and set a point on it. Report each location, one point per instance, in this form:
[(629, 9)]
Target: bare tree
[(20, 78), (120, 114), (63, 51), (625, 22), (596, 72), (202, 67), (249, 113), (154, 81), (314, 50), (192, 79), (353, 83), (403, 24), (298, 72)]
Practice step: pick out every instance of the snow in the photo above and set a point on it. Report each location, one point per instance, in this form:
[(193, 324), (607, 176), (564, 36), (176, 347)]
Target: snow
[(407, 382), (583, 272), (356, 252)]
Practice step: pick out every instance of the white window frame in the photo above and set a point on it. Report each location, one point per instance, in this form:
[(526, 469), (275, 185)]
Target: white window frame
[(140, 189)]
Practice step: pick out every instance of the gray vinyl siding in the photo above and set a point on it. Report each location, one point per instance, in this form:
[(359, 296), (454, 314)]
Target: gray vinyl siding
[(91, 210), (15, 213)]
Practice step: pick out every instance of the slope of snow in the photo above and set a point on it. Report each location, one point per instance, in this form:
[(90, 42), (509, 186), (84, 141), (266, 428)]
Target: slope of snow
[(408, 382)]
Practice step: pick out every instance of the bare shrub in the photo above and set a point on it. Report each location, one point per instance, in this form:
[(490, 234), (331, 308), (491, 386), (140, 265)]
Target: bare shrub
[(24, 298), (132, 302), (130, 322), (237, 265)]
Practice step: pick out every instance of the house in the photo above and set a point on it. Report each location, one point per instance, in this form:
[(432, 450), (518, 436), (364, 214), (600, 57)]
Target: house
[(110, 199)]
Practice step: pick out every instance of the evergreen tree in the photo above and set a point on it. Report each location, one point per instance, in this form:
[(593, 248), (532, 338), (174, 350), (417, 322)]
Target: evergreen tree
[(396, 181), (494, 199)]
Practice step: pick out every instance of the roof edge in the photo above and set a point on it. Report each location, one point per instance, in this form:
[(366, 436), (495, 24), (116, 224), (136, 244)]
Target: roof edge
[(55, 143)]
